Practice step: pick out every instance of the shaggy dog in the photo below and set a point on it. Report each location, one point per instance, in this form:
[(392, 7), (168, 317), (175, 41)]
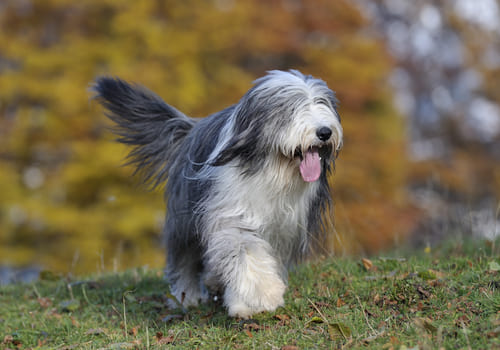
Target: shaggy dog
[(247, 186)]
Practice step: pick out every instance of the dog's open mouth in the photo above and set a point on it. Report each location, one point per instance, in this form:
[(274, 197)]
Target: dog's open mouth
[(310, 162)]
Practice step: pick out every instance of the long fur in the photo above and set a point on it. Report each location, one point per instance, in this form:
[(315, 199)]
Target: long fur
[(239, 214)]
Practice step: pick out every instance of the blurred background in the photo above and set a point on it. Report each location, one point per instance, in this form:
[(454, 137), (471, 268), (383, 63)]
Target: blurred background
[(417, 81)]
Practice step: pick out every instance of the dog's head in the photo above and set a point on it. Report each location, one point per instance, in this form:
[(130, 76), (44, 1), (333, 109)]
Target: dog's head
[(286, 114)]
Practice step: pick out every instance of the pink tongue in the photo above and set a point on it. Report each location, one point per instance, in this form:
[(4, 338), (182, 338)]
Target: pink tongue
[(310, 166)]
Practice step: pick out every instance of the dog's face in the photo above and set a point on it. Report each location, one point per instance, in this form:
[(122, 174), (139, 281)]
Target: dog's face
[(307, 125), (314, 136), (286, 115)]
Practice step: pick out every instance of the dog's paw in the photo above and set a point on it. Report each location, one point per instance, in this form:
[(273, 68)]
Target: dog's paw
[(240, 309), (187, 298), (247, 302)]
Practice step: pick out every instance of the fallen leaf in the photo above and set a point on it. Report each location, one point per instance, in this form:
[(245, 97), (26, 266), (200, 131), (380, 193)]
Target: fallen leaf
[(128, 296), (493, 266), (423, 292), (315, 319), (430, 274), (394, 340), (371, 338), (340, 302), (367, 263), (69, 305), (282, 317), (44, 302), (160, 339), (389, 346), (494, 333), (462, 320), (289, 347), (165, 340), (339, 331), (8, 339), (427, 275), (426, 323), (284, 320), (253, 326), (133, 331)]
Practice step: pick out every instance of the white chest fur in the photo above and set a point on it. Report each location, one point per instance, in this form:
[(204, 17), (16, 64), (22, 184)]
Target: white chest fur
[(272, 204)]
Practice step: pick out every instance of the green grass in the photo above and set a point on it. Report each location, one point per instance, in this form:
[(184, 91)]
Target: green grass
[(442, 299)]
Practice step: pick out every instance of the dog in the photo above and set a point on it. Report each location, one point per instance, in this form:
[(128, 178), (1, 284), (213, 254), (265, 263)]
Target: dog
[(246, 187)]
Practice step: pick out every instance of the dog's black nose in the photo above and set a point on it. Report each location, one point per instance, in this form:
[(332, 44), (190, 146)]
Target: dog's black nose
[(324, 133)]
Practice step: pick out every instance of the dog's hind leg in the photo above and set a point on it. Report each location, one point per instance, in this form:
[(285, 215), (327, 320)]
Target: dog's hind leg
[(248, 271), (183, 271)]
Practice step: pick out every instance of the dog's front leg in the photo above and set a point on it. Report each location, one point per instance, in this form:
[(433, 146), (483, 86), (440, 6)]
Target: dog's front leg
[(245, 265)]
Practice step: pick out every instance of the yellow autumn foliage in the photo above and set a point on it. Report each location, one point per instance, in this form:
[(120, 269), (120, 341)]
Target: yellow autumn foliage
[(67, 203)]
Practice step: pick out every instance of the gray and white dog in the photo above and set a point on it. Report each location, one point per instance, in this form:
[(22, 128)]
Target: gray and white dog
[(247, 186)]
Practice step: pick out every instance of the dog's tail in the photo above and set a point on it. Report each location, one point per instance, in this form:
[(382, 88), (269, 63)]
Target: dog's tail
[(144, 121)]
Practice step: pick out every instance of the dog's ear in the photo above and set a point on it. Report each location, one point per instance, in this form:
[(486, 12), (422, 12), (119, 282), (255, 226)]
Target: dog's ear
[(228, 153), (246, 135), (242, 145)]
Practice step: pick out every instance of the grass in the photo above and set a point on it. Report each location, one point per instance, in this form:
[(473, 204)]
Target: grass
[(448, 298)]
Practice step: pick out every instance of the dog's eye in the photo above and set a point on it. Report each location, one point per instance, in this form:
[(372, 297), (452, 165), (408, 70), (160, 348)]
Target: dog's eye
[(322, 101)]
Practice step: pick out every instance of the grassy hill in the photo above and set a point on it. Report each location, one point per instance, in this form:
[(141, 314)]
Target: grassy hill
[(445, 298)]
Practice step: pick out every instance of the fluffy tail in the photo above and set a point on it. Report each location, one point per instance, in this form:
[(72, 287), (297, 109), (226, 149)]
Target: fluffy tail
[(144, 121)]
